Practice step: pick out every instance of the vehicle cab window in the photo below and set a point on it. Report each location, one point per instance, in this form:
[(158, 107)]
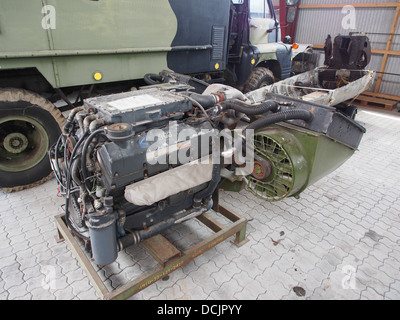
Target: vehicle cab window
[(259, 9)]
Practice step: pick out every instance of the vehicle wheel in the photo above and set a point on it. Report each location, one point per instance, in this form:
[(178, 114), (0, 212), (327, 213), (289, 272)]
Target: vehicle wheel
[(29, 126), (259, 77)]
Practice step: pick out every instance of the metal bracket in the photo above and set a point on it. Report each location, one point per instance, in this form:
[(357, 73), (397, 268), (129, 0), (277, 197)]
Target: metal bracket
[(168, 257)]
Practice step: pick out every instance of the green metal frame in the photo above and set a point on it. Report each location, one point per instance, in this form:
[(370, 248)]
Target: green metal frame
[(236, 228)]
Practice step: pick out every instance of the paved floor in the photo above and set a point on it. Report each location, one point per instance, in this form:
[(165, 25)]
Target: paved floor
[(340, 240)]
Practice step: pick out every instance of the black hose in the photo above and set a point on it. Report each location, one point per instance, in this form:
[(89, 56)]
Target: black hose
[(207, 101), (248, 109), (212, 185), (70, 118), (69, 177), (152, 78), (83, 155), (278, 117)]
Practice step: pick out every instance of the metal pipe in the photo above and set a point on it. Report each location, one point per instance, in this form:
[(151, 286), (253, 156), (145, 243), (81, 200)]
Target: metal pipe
[(136, 236), (96, 124), (88, 119)]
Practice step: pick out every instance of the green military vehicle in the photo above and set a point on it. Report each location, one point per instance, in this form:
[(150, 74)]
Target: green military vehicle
[(50, 46)]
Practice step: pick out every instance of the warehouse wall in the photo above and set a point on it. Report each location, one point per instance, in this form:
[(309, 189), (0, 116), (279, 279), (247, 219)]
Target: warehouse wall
[(314, 24)]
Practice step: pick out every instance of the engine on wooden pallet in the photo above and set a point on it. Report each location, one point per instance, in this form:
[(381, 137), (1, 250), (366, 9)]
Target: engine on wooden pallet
[(131, 165)]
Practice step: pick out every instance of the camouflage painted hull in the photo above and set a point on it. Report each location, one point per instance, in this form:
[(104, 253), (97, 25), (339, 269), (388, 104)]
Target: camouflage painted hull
[(313, 92)]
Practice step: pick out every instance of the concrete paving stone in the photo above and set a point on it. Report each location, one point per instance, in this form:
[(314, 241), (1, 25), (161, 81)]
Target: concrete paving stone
[(371, 294), (303, 279), (273, 275), (287, 260), (247, 294), (221, 276), (372, 262), (392, 295), (326, 265), (389, 219), (28, 296), (305, 260), (37, 281), (274, 292), (332, 289), (194, 293), (389, 271), (43, 257), (365, 276), (31, 272), (209, 282), (148, 293), (81, 286), (169, 281), (17, 292), (380, 251), (65, 294), (4, 295), (226, 291), (42, 294), (34, 240), (12, 276), (266, 260), (87, 295), (395, 285), (75, 275), (393, 264), (171, 293)]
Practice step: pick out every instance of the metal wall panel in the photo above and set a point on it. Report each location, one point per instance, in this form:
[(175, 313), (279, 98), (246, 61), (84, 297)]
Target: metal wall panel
[(305, 2), (390, 83), (315, 24)]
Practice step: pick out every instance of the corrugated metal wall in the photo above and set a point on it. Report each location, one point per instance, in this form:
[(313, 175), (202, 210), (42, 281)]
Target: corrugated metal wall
[(314, 24)]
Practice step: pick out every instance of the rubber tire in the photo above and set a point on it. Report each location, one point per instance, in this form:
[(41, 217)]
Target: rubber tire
[(45, 113), (257, 77)]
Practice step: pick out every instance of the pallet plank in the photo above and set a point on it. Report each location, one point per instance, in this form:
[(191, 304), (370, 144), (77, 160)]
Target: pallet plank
[(376, 102)]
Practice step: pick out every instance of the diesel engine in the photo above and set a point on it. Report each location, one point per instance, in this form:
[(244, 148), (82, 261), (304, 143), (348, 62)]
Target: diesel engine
[(133, 164)]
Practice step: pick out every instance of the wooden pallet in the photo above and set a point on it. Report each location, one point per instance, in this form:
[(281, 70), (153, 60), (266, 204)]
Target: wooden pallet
[(366, 100), (169, 258)]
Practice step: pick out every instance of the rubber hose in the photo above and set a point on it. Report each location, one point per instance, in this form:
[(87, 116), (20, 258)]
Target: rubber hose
[(278, 117), (71, 118), (84, 151), (152, 78), (69, 177), (207, 101), (248, 109), (216, 177)]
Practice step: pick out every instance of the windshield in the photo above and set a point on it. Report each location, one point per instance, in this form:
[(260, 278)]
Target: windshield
[(259, 9)]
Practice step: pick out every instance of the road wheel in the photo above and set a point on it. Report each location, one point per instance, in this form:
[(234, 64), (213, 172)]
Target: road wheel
[(259, 77), (29, 125)]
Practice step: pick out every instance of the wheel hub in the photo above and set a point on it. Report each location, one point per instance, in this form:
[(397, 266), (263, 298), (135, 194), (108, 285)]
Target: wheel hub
[(15, 142), (24, 145), (262, 169)]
